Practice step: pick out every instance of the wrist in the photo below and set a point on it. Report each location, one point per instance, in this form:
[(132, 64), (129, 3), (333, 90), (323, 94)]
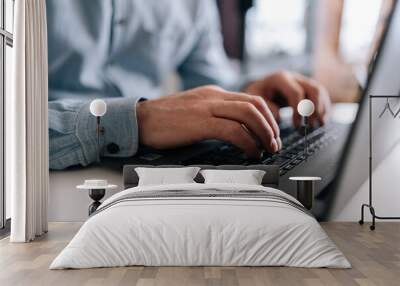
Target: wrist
[(142, 117)]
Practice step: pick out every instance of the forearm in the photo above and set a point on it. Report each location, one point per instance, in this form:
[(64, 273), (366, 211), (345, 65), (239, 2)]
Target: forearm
[(72, 132)]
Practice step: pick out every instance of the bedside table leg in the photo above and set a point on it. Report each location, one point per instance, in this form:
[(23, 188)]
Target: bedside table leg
[(96, 195)]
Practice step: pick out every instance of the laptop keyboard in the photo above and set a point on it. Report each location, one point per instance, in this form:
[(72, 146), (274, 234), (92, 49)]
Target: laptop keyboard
[(291, 155)]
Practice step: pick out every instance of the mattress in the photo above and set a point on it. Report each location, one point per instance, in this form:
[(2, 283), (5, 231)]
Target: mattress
[(201, 225)]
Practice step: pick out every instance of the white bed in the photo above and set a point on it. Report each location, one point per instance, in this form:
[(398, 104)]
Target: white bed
[(236, 229)]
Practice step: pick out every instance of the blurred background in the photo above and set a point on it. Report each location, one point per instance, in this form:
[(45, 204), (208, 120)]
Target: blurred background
[(331, 41)]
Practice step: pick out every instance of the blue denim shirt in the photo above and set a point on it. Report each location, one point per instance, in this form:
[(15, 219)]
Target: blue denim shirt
[(122, 50)]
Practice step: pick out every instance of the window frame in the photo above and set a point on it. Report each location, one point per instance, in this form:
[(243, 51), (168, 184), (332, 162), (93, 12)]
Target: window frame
[(6, 39)]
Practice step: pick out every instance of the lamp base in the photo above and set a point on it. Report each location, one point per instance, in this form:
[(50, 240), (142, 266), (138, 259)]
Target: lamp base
[(96, 195)]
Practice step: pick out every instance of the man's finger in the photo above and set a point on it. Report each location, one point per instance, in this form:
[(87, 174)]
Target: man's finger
[(275, 110), (318, 95), (259, 103), (287, 86), (247, 114), (233, 132)]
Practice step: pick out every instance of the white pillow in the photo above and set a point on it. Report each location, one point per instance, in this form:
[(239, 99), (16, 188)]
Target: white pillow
[(247, 177), (164, 176)]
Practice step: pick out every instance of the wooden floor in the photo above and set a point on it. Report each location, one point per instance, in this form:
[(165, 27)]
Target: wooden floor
[(375, 257)]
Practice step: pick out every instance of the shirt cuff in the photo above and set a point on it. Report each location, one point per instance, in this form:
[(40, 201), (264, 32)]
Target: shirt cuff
[(120, 137)]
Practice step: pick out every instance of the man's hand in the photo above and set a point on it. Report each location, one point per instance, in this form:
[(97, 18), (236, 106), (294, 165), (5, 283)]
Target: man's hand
[(208, 112), (286, 88)]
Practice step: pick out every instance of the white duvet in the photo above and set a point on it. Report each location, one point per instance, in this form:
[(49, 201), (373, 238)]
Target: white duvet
[(200, 231)]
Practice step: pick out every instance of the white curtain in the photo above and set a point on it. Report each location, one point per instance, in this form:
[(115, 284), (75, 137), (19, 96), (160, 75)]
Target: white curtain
[(27, 125)]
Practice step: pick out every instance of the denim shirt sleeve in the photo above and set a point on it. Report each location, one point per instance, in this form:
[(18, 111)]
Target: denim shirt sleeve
[(72, 131)]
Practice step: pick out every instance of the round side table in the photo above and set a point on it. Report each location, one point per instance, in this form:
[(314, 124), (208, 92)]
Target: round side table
[(97, 190), (305, 190)]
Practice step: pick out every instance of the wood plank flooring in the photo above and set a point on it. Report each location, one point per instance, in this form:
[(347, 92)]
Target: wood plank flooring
[(375, 257)]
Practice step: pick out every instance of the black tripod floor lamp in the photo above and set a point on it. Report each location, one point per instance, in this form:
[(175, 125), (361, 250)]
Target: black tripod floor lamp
[(370, 206)]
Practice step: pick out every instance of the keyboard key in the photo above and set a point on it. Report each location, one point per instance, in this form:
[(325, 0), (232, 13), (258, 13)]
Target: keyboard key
[(288, 167)]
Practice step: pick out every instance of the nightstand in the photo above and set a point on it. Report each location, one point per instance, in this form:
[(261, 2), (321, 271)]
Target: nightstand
[(97, 190)]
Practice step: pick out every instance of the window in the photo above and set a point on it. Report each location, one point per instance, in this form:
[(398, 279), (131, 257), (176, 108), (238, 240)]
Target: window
[(6, 43), (356, 36), (279, 35), (275, 29)]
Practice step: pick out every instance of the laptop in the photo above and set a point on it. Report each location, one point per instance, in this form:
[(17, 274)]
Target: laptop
[(333, 148), (384, 135)]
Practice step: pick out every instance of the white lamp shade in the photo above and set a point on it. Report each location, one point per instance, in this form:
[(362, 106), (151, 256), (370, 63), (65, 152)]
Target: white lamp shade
[(305, 107), (98, 107)]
